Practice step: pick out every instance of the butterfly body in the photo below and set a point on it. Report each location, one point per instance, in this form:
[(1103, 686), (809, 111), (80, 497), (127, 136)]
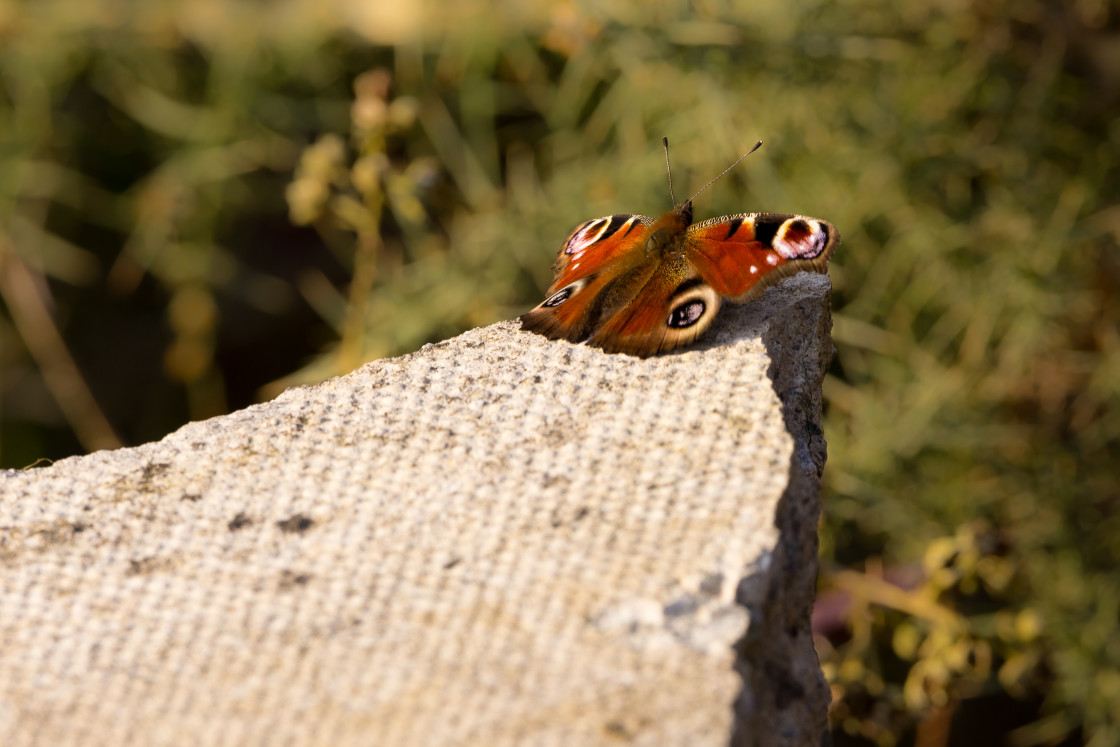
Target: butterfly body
[(639, 285)]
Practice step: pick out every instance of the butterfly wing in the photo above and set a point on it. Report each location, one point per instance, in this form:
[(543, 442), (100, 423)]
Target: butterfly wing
[(601, 262), (673, 307), (596, 244), (741, 255)]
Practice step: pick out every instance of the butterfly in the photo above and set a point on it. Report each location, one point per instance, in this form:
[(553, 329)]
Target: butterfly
[(640, 285)]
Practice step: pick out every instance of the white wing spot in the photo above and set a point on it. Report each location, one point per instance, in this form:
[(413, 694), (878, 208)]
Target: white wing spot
[(772, 259), (754, 270)]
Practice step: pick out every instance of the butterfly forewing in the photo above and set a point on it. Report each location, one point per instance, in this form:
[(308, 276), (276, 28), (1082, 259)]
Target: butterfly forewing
[(597, 244), (740, 255), (593, 270)]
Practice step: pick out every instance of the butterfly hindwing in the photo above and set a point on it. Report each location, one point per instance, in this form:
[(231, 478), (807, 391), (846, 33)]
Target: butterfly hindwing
[(673, 307)]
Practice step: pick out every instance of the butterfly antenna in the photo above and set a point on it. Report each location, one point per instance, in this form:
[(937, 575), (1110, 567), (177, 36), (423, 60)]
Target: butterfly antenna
[(713, 181), (665, 143)]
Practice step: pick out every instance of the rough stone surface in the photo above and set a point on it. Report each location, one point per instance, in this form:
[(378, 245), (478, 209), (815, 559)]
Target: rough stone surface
[(495, 540)]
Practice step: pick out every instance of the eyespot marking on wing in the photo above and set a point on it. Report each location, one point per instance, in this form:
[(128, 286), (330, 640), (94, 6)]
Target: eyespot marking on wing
[(565, 293), (600, 229), (693, 302), (800, 238), (686, 314)]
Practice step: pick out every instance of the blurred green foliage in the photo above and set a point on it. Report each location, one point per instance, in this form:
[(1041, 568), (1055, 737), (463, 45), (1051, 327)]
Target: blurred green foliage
[(204, 201)]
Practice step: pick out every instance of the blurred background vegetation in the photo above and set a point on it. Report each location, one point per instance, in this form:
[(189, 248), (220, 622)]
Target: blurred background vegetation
[(205, 201)]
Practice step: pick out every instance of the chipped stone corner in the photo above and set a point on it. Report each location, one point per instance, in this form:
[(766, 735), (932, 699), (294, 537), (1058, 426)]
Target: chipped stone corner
[(785, 697)]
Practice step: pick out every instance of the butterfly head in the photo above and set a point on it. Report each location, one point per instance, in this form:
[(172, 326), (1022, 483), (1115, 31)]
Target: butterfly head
[(683, 211), (665, 233)]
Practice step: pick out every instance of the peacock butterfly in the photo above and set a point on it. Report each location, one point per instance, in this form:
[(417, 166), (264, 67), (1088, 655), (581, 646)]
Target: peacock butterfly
[(639, 285)]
